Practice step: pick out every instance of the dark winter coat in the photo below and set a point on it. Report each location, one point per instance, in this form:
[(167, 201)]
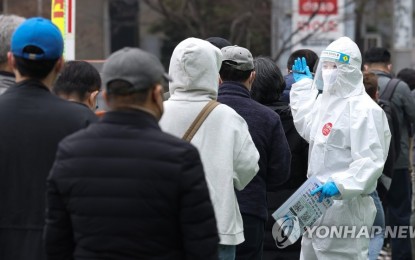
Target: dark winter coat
[(289, 81), (299, 164), (268, 135), (123, 189), (33, 121)]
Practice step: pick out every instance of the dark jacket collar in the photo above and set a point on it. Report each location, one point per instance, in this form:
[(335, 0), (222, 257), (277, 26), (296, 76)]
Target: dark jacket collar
[(382, 73), (134, 117), (234, 88), (31, 83), (80, 104)]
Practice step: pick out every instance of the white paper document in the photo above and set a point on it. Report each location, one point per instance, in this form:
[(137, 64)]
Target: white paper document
[(300, 211)]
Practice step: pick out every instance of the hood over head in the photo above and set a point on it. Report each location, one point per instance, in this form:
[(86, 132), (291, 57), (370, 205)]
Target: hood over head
[(194, 68), (348, 59)]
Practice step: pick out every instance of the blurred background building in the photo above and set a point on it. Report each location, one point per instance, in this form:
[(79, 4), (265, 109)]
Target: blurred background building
[(266, 27)]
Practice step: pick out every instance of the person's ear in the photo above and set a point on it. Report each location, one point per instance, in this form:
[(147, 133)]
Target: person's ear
[(157, 93), (11, 61), (252, 77), (157, 98), (59, 65), (389, 67), (92, 99), (365, 67)]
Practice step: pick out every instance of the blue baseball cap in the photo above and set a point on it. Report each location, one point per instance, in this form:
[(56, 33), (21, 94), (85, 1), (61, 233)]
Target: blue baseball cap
[(41, 33)]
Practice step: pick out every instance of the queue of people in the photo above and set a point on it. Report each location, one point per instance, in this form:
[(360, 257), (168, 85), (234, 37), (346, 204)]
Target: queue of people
[(195, 173)]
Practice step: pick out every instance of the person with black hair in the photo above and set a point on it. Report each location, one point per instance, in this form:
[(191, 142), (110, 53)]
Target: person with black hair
[(370, 81), (124, 189), (79, 82), (311, 58), (33, 122), (238, 74), (408, 76), (378, 61), (266, 89)]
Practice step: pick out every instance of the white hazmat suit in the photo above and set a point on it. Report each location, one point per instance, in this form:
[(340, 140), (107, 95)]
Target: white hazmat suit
[(349, 141)]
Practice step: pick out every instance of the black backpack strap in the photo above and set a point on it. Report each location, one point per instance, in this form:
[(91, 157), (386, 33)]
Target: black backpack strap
[(389, 89)]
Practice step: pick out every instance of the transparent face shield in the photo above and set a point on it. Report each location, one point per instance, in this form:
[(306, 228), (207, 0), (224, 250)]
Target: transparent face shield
[(327, 69)]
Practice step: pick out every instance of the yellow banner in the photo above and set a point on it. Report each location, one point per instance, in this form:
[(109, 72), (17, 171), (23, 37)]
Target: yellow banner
[(58, 15)]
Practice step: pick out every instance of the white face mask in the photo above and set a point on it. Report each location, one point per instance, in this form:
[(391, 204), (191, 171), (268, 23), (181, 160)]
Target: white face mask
[(329, 76)]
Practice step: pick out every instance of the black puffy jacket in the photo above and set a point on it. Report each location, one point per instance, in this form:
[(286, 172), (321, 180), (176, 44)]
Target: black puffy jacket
[(123, 189)]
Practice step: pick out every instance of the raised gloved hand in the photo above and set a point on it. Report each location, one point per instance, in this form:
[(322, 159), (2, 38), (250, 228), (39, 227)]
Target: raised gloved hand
[(300, 70), (329, 189)]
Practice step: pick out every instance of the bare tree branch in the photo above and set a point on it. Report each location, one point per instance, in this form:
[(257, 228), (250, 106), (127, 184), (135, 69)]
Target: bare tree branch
[(236, 26), (175, 17), (197, 17)]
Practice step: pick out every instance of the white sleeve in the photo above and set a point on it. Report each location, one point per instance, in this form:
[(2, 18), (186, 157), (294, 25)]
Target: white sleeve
[(302, 100), (370, 138)]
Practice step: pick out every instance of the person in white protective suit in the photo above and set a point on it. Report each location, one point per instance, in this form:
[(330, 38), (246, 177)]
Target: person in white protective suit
[(349, 141)]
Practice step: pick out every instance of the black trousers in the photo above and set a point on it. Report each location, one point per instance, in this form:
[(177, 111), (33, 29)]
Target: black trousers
[(399, 212), (252, 247)]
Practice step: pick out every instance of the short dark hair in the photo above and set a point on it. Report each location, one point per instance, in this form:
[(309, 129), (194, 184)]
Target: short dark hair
[(377, 55), (408, 76), (310, 56), (218, 42), (125, 90), (269, 82), (370, 80), (35, 69), (77, 77), (229, 73)]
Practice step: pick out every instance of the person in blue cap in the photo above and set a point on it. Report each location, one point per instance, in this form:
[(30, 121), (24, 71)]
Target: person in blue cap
[(33, 122)]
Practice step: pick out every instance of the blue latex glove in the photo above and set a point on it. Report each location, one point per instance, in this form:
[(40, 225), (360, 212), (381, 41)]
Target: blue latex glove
[(300, 70), (329, 189)]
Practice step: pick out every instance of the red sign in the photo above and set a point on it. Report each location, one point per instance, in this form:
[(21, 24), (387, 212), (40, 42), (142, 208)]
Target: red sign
[(327, 129), (325, 7), (58, 9), (323, 26)]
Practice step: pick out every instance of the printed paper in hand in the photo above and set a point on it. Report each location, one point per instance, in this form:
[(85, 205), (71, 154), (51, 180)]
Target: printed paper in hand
[(300, 211)]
